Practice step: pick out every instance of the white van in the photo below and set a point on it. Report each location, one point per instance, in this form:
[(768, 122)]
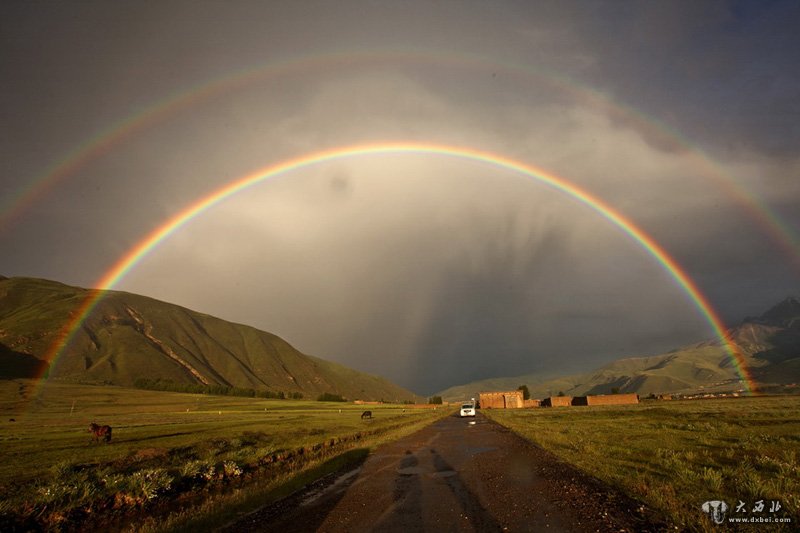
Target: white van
[(468, 409)]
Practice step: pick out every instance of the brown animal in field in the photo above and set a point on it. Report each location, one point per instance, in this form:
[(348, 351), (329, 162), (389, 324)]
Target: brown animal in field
[(366, 414), (100, 431)]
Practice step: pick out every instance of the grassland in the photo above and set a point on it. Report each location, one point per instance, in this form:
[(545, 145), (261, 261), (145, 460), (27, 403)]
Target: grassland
[(173, 455), (676, 455)]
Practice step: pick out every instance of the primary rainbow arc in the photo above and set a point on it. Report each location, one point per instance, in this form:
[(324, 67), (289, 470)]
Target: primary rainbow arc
[(147, 244)]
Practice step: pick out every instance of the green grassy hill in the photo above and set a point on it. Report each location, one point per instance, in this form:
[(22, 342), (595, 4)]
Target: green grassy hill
[(128, 336), (770, 345)]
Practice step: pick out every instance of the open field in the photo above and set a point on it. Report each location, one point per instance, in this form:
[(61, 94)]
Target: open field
[(165, 446), (676, 455)]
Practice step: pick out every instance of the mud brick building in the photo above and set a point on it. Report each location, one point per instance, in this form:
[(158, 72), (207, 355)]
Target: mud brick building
[(557, 401), (606, 399), (502, 400)]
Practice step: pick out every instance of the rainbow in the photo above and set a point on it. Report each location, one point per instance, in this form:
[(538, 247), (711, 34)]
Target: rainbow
[(104, 141), (147, 244)]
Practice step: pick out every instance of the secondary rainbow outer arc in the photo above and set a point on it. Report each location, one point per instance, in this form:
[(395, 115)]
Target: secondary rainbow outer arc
[(131, 258), (104, 141)]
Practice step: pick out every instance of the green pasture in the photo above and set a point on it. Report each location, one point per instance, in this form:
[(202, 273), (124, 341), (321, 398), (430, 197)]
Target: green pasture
[(166, 439), (675, 455)]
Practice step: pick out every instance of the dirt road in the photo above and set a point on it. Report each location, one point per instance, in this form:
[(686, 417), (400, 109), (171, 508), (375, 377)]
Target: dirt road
[(457, 475)]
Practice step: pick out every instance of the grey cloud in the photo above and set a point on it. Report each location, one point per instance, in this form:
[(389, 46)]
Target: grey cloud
[(426, 269), (723, 76)]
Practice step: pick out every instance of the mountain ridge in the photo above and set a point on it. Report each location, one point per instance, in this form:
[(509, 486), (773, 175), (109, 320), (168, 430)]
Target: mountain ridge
[(129, 336), (769, 345)]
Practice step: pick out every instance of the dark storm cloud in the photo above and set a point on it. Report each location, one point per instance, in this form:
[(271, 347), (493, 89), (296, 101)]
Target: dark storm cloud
[(722, 72), (428, 270)]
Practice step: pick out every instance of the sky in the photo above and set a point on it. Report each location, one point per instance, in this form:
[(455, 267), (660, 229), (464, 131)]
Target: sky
[(429, 269)]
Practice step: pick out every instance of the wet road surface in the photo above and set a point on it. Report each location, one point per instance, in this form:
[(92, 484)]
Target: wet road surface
[(457, 475)]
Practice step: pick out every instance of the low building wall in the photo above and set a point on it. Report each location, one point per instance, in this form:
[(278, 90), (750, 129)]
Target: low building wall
[(501, 400), (557, 401), (606, 399)]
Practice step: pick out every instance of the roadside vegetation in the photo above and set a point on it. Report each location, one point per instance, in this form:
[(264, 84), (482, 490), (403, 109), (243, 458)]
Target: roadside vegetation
[(675, 455), (175, 460)]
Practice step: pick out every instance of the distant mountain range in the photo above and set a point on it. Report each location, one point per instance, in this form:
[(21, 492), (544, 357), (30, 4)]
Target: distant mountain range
[(769, 343), (128, 337)]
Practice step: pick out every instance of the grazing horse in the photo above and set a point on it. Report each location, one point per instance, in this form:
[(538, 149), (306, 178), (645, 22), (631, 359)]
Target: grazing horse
[(100, 431), (366, 414)]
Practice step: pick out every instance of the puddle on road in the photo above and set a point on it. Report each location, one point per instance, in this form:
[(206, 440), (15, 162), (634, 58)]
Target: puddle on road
[(410, 470), (316, 495), (482, 449), (417, 470)]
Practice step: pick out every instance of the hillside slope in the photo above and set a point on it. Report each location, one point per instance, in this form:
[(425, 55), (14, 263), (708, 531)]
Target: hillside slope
[(128, 336), (770, 345)]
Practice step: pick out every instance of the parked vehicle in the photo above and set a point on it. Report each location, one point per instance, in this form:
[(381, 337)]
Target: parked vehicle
[(468, 409)]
